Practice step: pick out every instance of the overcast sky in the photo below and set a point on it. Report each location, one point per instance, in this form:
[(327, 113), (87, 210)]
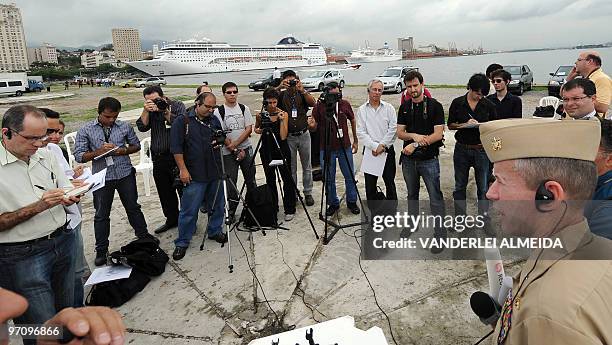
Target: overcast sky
[(497, 25)]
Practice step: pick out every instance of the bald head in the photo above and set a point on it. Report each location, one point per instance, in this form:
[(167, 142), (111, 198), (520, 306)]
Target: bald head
[(587, 62)]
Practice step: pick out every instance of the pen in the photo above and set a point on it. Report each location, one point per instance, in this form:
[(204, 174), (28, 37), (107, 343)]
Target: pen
[(40, 187)]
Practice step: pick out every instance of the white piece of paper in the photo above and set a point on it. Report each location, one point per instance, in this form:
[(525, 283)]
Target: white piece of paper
[(85, 174), (276, 162), (97, 180), (373, 165), (108, 273), (105, 154), (74, 215)]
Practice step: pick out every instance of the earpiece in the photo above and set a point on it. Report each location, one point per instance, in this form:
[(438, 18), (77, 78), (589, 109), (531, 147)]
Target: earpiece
[(543, 196), (9, 134)]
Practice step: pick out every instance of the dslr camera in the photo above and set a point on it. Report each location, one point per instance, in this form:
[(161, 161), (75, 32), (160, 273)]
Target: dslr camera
[(292, 82), (161, 104), (219, 136)]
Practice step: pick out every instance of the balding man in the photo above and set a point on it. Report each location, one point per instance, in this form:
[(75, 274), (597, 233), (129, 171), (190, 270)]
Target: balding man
[(588, 65), (561, 295)]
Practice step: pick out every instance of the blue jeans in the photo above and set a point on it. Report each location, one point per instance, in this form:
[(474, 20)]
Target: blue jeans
[(429, 170), (43, 273), (347, 168), (463, 159), (193, 197)]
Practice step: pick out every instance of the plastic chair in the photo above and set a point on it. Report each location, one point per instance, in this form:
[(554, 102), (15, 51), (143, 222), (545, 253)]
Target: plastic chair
[(145, 165), (549, 100), (70, 142)]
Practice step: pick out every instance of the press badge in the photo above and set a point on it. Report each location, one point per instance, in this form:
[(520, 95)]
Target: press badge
[(109, 161), (340, 134), (294, 113)]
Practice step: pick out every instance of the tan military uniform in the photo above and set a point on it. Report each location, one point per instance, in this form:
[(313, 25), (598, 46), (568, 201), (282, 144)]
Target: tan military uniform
[(564, 300)]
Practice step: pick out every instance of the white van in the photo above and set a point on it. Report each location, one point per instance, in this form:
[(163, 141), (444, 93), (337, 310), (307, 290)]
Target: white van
[(13, 83)]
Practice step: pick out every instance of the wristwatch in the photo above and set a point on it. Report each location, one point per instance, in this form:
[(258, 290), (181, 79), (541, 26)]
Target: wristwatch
[(415, 144)]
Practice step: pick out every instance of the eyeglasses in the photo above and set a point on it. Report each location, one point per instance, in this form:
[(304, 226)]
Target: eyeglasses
[(208, 106), (574, 99), (579, 59), (231, 92), (498, 81), (31, 139)]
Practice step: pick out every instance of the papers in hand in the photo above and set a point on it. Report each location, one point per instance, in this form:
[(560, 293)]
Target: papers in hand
[(373, 165), (78, 190), (92, 182), (108, 273), (105, 154)]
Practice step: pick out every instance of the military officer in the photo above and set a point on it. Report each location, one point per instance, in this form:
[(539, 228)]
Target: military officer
[(561, 295)]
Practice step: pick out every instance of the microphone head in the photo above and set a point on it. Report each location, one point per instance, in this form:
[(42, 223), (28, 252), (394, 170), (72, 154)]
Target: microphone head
[(485, 307)]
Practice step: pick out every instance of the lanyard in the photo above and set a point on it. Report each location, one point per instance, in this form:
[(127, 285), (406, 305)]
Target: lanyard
[(107, 133)]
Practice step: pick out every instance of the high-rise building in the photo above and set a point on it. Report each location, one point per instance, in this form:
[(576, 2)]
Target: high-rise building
[(45, 53), (13, 52), (405, 44), (127, 45)]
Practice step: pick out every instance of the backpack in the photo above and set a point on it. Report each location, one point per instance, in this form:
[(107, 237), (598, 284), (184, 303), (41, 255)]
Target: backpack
[(114, 293), (262, 203), (144, 255), (222, 110)]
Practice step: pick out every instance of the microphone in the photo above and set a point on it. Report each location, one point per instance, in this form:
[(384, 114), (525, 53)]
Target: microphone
[(485, 307), (495, 270), (504, 290)]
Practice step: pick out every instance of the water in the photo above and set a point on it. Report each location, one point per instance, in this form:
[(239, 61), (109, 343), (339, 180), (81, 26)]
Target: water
[(447, 70)]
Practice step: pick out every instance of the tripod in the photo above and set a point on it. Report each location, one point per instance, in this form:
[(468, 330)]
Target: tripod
[(330, 119), (267, 132), (226, 215)]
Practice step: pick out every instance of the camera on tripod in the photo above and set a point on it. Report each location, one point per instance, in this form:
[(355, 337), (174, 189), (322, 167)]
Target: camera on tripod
[(266, 120), (219, 136), (161, 104), (330, 99)]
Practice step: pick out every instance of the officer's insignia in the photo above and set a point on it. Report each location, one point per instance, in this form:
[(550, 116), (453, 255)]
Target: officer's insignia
[(517, 303), (496, 144)]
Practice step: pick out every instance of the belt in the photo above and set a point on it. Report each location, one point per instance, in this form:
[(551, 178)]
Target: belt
[(297, 133), (472, 147), (52, 235)]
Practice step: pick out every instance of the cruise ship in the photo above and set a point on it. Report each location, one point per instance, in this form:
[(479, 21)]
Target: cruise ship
[(374, 55), (204, 56)]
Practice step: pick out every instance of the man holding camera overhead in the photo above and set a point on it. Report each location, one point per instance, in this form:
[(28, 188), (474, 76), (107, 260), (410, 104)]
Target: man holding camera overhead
[(157, 115)]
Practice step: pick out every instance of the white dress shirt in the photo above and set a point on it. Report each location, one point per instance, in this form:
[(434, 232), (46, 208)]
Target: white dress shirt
[(376, 126)]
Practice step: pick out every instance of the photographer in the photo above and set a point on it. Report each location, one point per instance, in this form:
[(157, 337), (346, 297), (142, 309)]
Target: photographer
[(237, 152), (275, 120), (295, 101), (337, 141), (157, 115), (420, 123), (199, 164)]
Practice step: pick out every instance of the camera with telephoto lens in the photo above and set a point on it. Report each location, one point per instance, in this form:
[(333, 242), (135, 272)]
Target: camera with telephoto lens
[(265, 116), (161, 104)]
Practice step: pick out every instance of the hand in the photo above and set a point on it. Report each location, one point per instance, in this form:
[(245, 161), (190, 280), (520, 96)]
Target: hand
[(185, 177), (96, 325), (417, 137), (282, 115), (472, 121), (299, 86), (572, 74), (311, 122), (120, 151), (380, 149), (284, 84), (258, 130), (51, 198), (78, 183), (104, 148), (424, 141), (409, 149), (71, 200), (78, 171), (150, 106), (355, 147), (240, 155)]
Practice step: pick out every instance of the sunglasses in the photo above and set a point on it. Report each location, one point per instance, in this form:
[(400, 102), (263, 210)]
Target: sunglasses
[(231, 92), (498, 81)]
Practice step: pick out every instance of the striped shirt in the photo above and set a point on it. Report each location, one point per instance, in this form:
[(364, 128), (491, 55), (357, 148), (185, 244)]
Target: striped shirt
[(91, 137), (160, 128)]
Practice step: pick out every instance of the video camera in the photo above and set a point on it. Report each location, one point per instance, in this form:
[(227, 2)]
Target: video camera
[(329, 99), (219, 136), (161, 104)]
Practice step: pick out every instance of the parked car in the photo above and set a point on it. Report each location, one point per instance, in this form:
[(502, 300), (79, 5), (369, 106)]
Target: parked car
[(557, 79), (522, 78), (319, 79), (393, 78), (153, 81), (261, 83), (135, 82)]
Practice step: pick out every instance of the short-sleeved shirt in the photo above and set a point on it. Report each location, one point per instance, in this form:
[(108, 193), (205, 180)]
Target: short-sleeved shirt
[(460, 112), (412, 116), (603, 86), (344, 114), (92, 136), (237, 122), (160, 128), (510, 106), (202, 161), (287, 102), (18, 181)]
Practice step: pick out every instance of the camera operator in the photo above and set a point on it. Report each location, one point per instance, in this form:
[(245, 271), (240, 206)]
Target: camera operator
[(337, 141), (295, 101), (275, 120), (157, 115), (199, 163)]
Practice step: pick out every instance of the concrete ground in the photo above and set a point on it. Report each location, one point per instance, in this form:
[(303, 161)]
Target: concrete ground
[(289, 278)]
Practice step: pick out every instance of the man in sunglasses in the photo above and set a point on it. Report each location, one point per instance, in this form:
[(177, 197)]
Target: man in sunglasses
[(507, 105), (199, 164), (238, 151)]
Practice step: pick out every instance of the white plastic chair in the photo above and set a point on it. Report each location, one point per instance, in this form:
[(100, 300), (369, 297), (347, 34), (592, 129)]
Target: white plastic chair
[(549, 100), (70, 142), (145, 165)]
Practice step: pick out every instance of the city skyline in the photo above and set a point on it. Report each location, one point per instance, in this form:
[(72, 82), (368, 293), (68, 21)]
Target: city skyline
[(469, 24)]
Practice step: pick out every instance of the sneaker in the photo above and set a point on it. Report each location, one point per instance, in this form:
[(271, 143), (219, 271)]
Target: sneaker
[(101, 257), (309, 200), (289, 217), (331, 209), (220, 237), (179, 253), (353, 207)]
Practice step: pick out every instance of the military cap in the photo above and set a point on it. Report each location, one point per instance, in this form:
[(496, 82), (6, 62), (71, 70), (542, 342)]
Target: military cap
[(530, 138)]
